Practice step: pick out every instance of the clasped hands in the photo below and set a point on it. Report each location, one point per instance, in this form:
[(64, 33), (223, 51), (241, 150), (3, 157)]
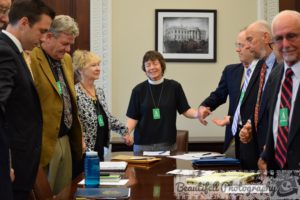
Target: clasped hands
[(128, 140)]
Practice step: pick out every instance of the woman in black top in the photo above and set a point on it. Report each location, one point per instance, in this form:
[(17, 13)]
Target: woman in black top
[(153, 106)]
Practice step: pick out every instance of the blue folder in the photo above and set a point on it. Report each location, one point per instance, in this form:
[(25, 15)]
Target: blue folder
[(216, 161)]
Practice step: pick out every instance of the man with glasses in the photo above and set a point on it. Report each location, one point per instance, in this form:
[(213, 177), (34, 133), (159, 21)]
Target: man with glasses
[(283, 137), (253, 135), (231, 84), (4, 9)]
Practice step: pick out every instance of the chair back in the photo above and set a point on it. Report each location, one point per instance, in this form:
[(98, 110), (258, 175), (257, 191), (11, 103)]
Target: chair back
[(182, 140)]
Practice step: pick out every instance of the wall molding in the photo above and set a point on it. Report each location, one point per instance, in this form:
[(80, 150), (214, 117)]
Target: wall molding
[(100, 39)]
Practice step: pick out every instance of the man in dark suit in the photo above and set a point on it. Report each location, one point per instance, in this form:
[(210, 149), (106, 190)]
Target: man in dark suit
[(283, 137), (230, 85), (259, 41), (20, 112), (5, 180)]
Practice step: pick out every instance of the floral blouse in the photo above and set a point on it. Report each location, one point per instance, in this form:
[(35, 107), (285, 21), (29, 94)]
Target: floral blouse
[(88, 117)]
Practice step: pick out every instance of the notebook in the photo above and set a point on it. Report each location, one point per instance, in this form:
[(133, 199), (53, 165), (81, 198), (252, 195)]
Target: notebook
[(104, 193), (216, 161)]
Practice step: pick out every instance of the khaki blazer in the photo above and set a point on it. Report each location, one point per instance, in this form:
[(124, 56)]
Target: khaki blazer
[(52, 104)]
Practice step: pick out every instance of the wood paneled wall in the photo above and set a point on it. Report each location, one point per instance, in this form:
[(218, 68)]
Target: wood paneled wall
[(80, 11), (289, 5)]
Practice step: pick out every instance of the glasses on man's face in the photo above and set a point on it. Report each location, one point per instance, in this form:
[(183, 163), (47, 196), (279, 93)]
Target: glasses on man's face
[(4, 10), (239, 45), (291, 37)]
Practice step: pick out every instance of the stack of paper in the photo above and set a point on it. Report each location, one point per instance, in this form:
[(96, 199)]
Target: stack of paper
[(222, 177), (190, 172), (156, 153), (111, 178), (136, 159), (113, 166), (103, 182), (199, 155)]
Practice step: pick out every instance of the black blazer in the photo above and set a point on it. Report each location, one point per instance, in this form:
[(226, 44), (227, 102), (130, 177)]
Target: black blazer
[(293, 150), (21, 115), (260, 134), (229, 85), (248, 152)]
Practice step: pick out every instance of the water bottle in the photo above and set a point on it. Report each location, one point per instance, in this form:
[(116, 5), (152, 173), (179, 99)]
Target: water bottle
[(91, 169)]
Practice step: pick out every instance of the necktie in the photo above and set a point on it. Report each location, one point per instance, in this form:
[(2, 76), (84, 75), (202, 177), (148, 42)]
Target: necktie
[(260, 89), (283, 123), (27, 59), (65, 95), (237, 112)]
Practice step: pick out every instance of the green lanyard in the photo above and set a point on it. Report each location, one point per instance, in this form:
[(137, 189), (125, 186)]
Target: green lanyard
[(156, 110)]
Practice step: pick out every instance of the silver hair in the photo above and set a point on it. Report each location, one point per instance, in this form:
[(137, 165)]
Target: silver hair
[(64, 24)]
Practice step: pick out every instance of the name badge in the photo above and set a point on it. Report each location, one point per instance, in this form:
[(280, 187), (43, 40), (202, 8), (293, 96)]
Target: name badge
[(59, 87), (156, 113), (283, 117), (242, 96), (100, 121)]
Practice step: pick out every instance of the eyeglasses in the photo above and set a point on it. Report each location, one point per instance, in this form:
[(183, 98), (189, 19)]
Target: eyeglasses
[(239, 45), (4, 10), (291, 37)]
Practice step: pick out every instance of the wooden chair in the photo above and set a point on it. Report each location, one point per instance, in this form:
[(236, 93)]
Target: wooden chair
[(182, 140), (41, 188)]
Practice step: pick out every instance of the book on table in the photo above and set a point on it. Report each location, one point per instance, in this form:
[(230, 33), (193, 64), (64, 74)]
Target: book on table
[(136, 159), (103, 193)]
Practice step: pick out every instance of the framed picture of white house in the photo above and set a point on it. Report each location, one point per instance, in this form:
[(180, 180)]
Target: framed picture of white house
[(186, 35)]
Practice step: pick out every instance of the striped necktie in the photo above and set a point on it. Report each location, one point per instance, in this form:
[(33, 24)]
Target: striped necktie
[(237, 112), (259, 94), (283, 122)]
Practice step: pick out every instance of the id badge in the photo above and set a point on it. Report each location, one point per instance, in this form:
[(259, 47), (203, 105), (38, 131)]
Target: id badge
[(59, 87), (100, 121), (283, 117), (242, 96), (156, 113)]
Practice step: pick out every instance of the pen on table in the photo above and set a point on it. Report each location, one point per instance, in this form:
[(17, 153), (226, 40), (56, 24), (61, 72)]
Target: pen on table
[(104, 174), (205, 154)]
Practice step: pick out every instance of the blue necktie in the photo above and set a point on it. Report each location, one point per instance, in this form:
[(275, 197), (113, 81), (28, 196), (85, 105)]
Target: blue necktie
[(237, 112)]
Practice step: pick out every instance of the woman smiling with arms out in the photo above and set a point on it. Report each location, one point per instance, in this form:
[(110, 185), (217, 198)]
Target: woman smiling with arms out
[(153, 105), (94, 115)]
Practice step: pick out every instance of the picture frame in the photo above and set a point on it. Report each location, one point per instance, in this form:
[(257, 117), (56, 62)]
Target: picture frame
[(186, 35)]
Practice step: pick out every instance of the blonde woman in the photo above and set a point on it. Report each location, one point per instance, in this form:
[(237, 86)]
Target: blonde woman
[(94, 115)]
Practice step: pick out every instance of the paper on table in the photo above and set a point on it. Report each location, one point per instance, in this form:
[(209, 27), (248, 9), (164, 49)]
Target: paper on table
[(116, 165), (199, 155), (190, 172), (156, 153), (121, 182)]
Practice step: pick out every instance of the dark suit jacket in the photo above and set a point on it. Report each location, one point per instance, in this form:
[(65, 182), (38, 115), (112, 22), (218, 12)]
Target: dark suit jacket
[(293, 150), (21, 117), (229, 85), (248, 152), (261, 133)]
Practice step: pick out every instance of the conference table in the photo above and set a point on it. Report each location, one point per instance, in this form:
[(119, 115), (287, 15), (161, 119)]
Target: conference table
[(149, 182)]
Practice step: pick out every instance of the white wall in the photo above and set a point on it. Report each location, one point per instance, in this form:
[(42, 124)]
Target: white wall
[(133, 33)]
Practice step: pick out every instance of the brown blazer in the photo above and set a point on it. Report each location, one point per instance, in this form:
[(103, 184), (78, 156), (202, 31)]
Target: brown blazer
[(52, 104)]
